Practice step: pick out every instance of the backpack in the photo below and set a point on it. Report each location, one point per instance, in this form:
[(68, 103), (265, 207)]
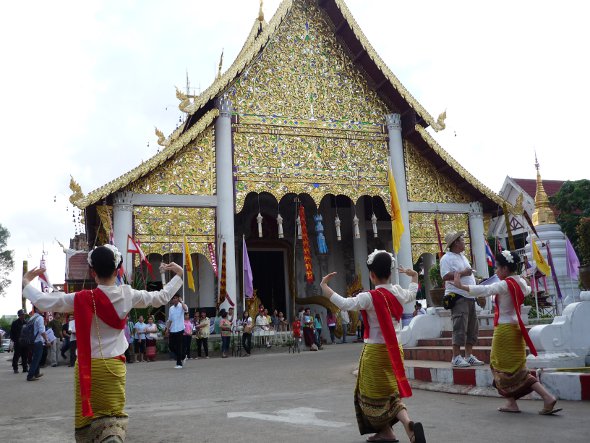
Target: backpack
[(27, 335)]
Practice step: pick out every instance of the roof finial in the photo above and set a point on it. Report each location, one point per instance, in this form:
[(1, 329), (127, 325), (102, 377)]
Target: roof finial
[(261, 12), (543, 214), (220, 64)]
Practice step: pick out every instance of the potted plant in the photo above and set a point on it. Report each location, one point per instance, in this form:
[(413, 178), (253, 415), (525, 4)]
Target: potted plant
[(583, 231), (438, 290)]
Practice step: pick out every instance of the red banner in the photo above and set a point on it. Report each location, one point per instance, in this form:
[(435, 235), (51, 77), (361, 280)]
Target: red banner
[(306, 250), (223, 295), (212, 258)]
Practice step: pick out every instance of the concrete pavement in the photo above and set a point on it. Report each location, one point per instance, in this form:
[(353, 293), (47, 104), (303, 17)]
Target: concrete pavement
[(275, 397)]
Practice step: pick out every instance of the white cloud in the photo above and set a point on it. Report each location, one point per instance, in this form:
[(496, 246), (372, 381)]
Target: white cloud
[(83, 84)]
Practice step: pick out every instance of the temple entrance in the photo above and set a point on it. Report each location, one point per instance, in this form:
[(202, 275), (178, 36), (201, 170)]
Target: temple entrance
[(269, 272)]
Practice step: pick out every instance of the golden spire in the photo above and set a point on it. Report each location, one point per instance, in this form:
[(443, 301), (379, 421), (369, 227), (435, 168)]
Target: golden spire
[(220, 65), (543, 214), (261, 13)]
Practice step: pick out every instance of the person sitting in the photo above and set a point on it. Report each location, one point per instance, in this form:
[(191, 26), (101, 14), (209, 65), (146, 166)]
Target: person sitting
[(418, 309)]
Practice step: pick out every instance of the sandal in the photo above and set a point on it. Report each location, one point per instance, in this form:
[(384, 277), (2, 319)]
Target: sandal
[(550, 410), (503, 409), (383, 440), (418, 431)]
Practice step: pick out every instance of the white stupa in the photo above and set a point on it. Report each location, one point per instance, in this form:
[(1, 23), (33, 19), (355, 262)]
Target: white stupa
[(550, 232)]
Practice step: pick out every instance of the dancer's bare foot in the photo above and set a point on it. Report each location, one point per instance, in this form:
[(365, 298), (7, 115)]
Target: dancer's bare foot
[(386, 435), (510, 406)]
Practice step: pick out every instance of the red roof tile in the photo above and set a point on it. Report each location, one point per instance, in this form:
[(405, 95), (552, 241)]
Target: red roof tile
[(530, 186), (78, 267)]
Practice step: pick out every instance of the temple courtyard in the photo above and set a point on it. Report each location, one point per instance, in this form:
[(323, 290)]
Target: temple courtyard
[(270, 397)]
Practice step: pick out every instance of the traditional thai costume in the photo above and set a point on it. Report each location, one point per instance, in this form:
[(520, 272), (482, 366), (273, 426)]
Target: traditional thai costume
[(381, 381), (512, 379), (100, 373)]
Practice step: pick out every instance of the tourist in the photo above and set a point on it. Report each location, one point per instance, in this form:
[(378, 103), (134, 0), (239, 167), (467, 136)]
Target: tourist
[(381, 381), (418, 309), (274, 320), (56, 326), (317, 325), (100, 318), (463, 314), (262, 323), (187, 336), (73, 346), (50, 341), (246, 325), (37, 347), (331, 322), (20, 351), (65, 335), (512, 378), (225, 328), (151, 331), (204, 329), (268, 318), (308, 330), (175, 329), (129, 337), (344, 320), (230, 315), (296, 328), (283, 324), (139, 339)]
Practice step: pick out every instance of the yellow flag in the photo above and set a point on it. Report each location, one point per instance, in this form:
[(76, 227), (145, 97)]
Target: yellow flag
[(540, 261), (397, 224), (188, 263)]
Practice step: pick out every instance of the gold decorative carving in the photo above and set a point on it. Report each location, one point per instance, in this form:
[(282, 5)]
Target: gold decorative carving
[(161, 229), (191, 171), (457, 167), (161, 139), (184, 100), (105, 215), (76, 189), (146, 167), (440, 121), (220, 65), (425, 183), (423, 232), (286, 162)]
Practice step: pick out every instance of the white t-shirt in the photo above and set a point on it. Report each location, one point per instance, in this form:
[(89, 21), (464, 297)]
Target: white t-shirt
[(72, 329), (176, 317), (453, 262), (139, 331)]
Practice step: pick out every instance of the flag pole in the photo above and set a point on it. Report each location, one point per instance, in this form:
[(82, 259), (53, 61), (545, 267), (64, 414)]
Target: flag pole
[(243, 277), (184, 270)]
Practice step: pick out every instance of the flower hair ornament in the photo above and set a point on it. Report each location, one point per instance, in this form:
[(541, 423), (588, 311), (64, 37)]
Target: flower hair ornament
[(111, 248), (508, 256), (372, 255)]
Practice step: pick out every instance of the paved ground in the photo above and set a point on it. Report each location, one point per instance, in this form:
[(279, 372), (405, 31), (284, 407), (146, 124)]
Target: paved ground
[(276, 397)]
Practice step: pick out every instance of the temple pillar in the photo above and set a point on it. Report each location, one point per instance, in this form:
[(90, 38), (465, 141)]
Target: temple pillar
[(123, 227), (359, 245), (477, 235), (396, 152), (225, 195)]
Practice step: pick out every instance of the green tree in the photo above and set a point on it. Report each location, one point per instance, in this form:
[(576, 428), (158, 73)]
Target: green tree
[(6, 260), (573, 202)]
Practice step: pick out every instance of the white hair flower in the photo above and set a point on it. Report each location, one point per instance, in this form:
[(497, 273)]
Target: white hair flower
[(508, 256), (113, 249), (372, 255)]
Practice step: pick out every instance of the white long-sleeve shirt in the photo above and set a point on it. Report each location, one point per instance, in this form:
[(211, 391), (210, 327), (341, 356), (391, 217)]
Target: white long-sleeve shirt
[(507, 312), (364, 301), (123, 298)]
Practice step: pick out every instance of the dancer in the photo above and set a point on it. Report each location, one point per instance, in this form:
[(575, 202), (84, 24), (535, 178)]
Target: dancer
[(100, 316), (508, 358), (381, 381)]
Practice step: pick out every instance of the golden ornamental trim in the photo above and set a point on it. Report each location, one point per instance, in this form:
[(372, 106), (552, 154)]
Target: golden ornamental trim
[(432, 143), (145, 167)]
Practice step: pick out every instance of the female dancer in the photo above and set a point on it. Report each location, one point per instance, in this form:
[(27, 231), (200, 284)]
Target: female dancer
[(101, 316), (381, 381), (508, 359)]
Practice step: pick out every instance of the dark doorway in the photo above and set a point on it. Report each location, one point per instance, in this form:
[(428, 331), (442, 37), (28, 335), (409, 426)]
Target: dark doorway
[(268, 272)]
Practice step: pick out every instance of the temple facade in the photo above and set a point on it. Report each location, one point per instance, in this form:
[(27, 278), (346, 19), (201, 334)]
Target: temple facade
[(306, 116)]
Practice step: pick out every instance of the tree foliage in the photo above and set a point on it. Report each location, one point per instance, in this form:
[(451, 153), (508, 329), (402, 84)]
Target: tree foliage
[(6, 260), (573, 203)]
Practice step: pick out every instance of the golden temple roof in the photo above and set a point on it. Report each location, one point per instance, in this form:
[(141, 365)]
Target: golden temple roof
[(145, 167)]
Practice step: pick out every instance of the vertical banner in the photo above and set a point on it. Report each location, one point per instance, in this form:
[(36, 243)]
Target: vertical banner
[(397, 224), (306, 250), (223, 295), (247, 272), (212, 258)]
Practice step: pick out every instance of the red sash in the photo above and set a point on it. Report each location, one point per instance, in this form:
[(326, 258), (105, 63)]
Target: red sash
[(84, 311), (386, 307), (517, 299)]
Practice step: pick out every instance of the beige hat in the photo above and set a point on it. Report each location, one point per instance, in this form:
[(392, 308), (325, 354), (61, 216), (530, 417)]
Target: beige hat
[(452, 236)]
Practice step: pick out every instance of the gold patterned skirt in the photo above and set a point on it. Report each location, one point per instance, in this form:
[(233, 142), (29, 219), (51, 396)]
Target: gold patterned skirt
[(108, 401), (512, 379), (376, 396)]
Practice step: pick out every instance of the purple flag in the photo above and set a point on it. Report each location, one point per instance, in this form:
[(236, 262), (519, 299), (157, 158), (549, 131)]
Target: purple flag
[(572, 260), (248, 285), (553, 273)]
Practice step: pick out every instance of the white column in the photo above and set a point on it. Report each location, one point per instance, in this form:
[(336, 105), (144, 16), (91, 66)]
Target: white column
[(359, 245), (225, 194), (396, 152), (123, 227), (477, 234)]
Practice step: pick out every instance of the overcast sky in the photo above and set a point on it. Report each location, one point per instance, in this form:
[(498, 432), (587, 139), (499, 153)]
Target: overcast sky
[(83, 84)]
